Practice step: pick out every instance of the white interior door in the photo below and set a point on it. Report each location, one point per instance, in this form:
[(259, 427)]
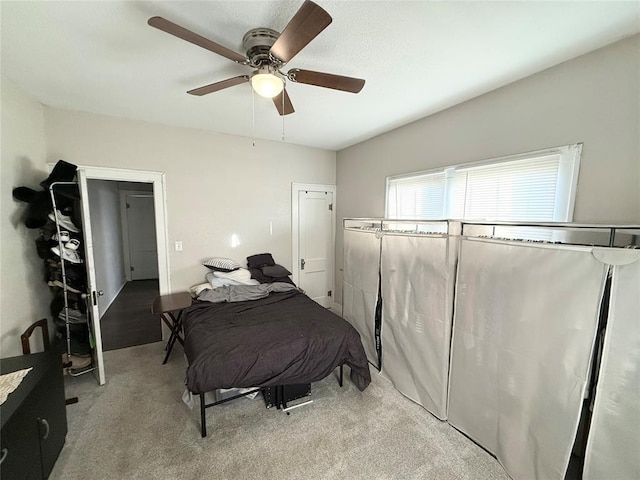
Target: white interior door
[(143, 251), (315, 245), (94, 314)]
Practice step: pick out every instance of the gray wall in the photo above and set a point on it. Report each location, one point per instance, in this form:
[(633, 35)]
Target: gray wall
[(23, 290), (106, 231), (594, 99), (217, 185)]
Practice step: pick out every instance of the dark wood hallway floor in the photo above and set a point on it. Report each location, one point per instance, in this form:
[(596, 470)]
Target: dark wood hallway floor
[(128, 321)]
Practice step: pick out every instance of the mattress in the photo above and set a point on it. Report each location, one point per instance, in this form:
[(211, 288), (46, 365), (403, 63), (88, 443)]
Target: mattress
[(283, 339)]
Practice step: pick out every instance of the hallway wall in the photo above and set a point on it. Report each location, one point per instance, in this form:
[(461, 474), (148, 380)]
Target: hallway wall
[(106, 229)]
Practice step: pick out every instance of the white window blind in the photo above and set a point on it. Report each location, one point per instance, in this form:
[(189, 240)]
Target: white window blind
[(532, 187), (421, 196)]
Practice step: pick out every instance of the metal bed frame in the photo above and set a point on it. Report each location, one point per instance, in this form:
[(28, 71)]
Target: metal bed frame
[(281, 403)]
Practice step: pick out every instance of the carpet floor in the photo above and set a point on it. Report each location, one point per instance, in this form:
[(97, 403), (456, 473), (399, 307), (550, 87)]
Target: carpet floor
[(137, 427)]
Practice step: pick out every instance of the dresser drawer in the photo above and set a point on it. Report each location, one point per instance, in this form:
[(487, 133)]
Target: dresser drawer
[(34, 418), (20, 440)]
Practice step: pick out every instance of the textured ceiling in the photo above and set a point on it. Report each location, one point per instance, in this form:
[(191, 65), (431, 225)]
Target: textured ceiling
[(418, 57)]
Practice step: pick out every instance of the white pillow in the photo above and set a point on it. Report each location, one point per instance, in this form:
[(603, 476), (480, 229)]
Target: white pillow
[(222, 264), (216, 282), (242, 276)]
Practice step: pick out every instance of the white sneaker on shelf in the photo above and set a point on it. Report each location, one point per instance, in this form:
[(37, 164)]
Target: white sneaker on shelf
[(72, 244), (64, 236), (68, 255), (64, 221)]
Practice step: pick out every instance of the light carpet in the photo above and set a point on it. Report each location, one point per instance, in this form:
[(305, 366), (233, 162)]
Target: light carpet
[(137, 427)]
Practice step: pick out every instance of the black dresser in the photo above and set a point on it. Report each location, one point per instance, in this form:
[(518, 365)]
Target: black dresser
[(34, 418)]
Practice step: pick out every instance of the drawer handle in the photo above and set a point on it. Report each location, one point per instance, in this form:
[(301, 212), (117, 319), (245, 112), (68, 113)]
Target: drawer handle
[(46, 425), (4, 455)]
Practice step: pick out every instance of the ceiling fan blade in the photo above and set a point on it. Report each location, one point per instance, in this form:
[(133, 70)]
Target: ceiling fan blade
[(181, 32), (285, 109), (326, 80), (214, 87), (305, 25)]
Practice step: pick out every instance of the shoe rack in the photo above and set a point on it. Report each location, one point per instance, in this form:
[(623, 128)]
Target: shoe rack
[(66, 251)]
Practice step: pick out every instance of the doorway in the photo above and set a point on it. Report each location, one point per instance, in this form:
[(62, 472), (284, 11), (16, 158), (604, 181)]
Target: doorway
[(138, 231), (125, 260), (157, 182), (313, 240)]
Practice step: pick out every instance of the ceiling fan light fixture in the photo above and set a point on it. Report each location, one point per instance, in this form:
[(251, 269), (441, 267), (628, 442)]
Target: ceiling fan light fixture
[(266, 84)]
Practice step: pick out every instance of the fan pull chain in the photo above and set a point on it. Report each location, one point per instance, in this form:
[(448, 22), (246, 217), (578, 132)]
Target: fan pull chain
[(283, 115), (253, 121)]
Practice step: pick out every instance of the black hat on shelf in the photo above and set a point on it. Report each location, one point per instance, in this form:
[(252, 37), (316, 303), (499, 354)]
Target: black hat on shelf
[(62, 172), (39, 205)]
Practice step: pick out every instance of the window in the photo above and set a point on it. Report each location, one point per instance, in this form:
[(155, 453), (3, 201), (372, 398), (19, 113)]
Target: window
[(532, 187)]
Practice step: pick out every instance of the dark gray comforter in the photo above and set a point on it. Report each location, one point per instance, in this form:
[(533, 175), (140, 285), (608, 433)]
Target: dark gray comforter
[(285, 338)]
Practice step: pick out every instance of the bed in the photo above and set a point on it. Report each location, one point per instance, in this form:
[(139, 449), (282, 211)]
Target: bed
[(284, 338)]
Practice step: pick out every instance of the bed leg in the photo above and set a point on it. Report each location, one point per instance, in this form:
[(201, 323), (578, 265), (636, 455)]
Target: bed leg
[(283, 400), (340, 381), (203, 418)]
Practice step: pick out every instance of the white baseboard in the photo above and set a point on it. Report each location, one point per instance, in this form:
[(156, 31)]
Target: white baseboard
[(336, 308)]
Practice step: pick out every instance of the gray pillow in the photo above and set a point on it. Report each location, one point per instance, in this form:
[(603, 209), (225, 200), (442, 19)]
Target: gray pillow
[(275, 271), (260, 260)]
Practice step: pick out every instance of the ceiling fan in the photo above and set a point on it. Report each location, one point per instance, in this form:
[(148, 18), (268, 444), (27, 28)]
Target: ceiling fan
[(267, 51)]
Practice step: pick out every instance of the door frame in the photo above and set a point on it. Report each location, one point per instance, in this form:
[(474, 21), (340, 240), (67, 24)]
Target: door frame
[(125, 226), (162, 238), (296, 188)]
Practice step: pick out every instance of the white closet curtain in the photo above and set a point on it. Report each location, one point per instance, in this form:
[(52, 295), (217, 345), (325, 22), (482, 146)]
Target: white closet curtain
[(417, 285), (613, 447), (524, 327), (360, 286)]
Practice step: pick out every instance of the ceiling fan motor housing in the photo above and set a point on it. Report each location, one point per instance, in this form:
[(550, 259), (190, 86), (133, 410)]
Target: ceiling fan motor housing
[(257, 42)]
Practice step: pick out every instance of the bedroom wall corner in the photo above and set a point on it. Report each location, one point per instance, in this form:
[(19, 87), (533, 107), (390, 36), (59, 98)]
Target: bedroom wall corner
[(24, 295)]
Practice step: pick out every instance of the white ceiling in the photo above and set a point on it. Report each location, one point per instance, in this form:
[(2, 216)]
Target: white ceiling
[(418, 57)]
